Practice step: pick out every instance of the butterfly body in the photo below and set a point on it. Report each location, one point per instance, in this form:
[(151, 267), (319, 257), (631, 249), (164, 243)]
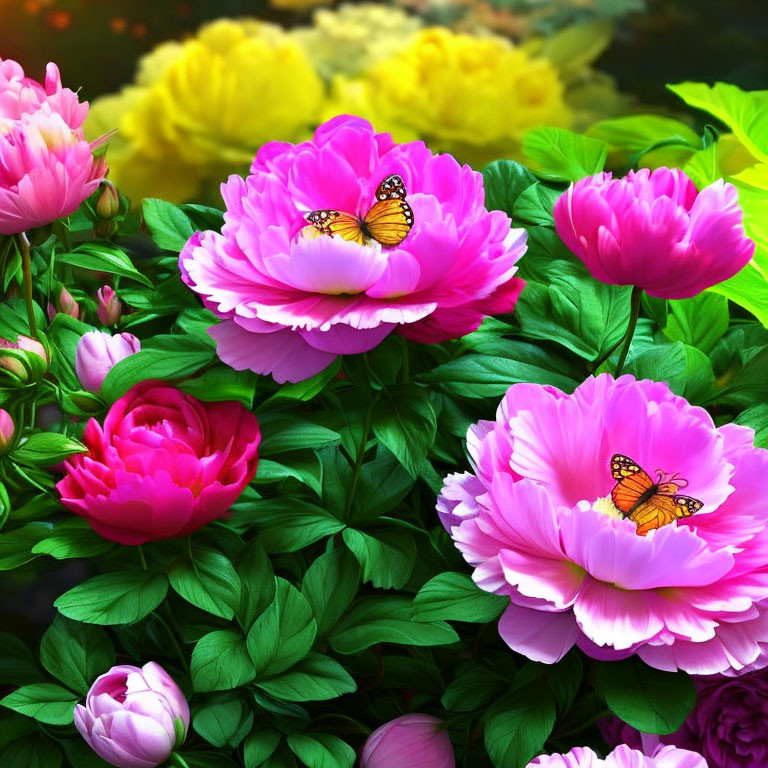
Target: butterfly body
[(649, 504), (388, 221)]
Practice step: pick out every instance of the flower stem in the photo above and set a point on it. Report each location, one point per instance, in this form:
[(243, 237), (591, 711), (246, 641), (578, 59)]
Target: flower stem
[(634, 313), (26, 269), (142, 559), (177, 760)]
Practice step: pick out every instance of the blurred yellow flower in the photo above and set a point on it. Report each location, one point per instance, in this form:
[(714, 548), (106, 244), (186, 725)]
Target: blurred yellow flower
[(472, 96), (350, 38), (200, 109)]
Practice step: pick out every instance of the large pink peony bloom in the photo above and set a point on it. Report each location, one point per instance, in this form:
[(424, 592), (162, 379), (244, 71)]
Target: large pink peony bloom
[(163, 465), (655, 231), (622, 757), (47, 168), (293, 299), (536, 521)]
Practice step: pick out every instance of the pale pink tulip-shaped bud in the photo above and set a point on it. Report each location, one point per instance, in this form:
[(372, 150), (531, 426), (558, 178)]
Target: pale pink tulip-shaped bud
[(109, 306), (31, 364), (410, 741), (655, 231), (134, 717), (64, 304), (7, 431), (98, 352)]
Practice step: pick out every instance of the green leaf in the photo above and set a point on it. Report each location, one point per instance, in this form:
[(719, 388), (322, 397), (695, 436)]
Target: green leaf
[(17, 664), (45, 702), (72, 538), (81, 755), (221, 383), (498, 366), (220, 661), (169, 226), (321, 750), (405, 422), (259, 746), (386, 619), (699, 322), (76, 653), (387, 556), (223, 720), (307, 389), (315, 678), (284, 633), (257, 582), (517, 727), (757, 418), (16, 546), (382, 485), (646, 698), (455, 597), (208, 580), (31, 752), (43, 449), (535, 205), (288, 433), (473, 689), (504, 182), (561, 155), (641, 133), (103, 257), (122, 597), (330, 585), (171, 357)]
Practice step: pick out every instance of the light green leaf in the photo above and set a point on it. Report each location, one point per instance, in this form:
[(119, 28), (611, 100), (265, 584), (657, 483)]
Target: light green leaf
[(103, 257), (43, 449), (48, 703), (223, 720), (169, 226), (387, 556), (321, 750), (455, 597), (220, 661), (561, 155), (208, 580), (72, 538)]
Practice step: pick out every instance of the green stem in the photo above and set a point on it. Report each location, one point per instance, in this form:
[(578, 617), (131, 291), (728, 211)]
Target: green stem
[(26, 270), (634, 313), (360, 454), (172, 635), (142, 559), (178, 760)]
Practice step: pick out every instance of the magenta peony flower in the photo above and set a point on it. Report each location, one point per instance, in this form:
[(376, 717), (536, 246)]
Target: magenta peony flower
[(655, 231), (410, 741), (293, 297), (537, 521), (97, 354), (622, 757), (134, 717), (163, 465), (109, 305), (727, 724)]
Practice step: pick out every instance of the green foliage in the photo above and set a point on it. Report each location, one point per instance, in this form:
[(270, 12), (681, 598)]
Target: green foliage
[(560, 155)]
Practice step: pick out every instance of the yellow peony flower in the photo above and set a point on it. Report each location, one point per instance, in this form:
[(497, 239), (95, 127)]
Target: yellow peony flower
[(202, 108), (351, 38), (472, 96)]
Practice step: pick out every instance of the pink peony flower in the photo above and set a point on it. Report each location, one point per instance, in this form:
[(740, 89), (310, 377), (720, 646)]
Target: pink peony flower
[(292, 298), (410, 741), (97, 354), (7, 431), (134, 717), (163, 465), (622, 757), (655, 231), (109, 305), (727, 724), (537, 522)]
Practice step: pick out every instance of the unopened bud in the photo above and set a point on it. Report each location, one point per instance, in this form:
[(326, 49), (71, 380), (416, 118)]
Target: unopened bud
[(7, 430), (64, 304), (104, 229), (109, 306), (25, 358), (108, 201)]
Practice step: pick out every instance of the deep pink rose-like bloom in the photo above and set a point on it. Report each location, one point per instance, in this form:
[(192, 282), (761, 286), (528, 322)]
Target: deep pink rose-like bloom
[(622, 757), (410, 741), (47, 168), (653, 230), (134, 717), (293, 299), (536, 521), (97, 354), (727, 724), (163, 465)]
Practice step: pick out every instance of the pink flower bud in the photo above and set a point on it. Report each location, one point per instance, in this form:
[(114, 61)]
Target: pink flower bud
[(108, 201), (410, 741), (134, 717), (110, 307), (7, 431), (64, 304), (34, 349), (98, 352)]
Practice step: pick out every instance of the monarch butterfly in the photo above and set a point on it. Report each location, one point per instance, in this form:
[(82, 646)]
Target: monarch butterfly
[(649, 504), (388, 221)]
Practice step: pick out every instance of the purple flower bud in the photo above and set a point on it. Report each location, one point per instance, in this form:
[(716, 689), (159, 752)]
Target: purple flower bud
[(7, 431), (134, 717), (410, 741), (98, 352), (110, 307)]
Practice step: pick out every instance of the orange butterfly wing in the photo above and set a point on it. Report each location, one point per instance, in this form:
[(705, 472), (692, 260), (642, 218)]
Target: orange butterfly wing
[(660, 510), (632, 483), (389, 221), (331, 223)]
